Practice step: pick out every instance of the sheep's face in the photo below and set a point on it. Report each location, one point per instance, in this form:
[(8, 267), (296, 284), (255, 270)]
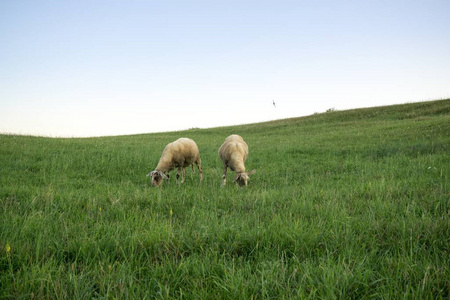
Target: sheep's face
[(243, 178), (157, 178)]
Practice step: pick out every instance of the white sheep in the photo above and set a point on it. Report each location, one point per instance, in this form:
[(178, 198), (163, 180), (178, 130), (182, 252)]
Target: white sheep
[(179, 154), (233, 153)]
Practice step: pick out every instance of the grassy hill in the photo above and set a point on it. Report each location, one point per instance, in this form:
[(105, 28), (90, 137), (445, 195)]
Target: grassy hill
[(345, 204)]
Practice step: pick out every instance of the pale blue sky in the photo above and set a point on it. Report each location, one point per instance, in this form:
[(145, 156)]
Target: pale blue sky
[(90, 68)]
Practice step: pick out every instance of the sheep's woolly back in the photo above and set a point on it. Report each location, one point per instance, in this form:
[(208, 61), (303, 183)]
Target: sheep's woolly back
[(234, 152), (181, 153)]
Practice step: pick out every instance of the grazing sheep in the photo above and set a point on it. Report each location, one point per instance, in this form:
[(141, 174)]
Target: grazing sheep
[(233, 153), (179, 154)]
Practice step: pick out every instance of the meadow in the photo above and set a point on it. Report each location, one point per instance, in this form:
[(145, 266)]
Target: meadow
[(344, 204)]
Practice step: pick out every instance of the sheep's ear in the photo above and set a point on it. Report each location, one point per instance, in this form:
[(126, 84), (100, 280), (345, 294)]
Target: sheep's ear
[(151, 173), (237, 177), (163, 175), (251, 172)]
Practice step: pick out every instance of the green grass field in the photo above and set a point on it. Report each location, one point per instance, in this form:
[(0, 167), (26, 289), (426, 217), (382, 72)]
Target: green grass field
[(345, 204)]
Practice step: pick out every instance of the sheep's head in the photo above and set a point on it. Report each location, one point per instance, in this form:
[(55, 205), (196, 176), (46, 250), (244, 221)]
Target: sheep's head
[(243, 178), (157, 177)]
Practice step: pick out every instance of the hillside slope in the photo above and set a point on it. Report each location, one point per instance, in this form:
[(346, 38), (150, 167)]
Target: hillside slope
[(344, 204)]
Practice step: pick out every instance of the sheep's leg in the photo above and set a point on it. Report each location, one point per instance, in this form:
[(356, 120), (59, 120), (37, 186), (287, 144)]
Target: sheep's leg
[(199, 166), (224, 176), (184, 174)]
